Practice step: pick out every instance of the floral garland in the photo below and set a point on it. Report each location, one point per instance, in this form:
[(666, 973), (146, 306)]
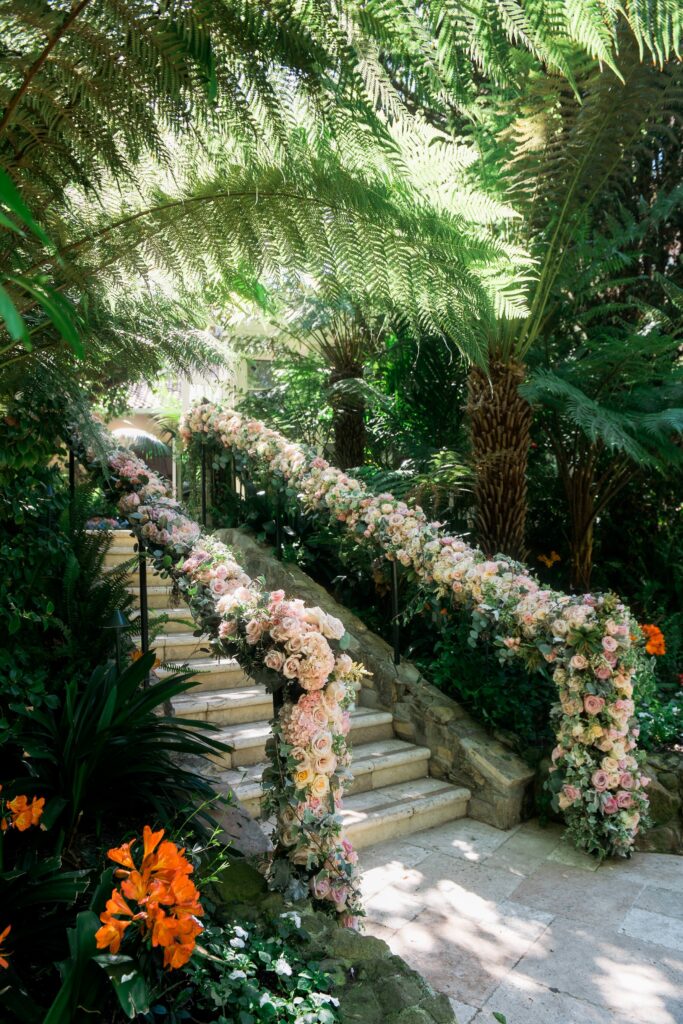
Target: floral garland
[(280, 640), (596, 776)]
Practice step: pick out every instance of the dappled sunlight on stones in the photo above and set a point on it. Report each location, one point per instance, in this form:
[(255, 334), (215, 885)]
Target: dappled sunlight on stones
[(516, 927), (639, 981)]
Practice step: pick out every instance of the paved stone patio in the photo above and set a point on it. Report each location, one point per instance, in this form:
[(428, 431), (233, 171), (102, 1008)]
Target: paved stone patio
[(521, 924)]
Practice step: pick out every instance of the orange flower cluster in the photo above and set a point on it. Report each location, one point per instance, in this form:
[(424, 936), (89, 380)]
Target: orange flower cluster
[(167, 900), (654, 639), (22, 814), (3, 936)]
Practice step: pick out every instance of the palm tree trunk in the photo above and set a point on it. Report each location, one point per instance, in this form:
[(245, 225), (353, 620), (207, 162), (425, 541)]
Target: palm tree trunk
[(581, 520), (348, 420), (500, 425)]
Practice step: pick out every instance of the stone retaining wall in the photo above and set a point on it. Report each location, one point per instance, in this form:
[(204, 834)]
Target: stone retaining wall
[(461, 750), (372, 985), (666, 803)]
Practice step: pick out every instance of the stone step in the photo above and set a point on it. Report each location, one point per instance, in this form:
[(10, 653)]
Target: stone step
[(249, 740), (119, 538), (178, 617), (160, 595), (213, 674), (225, 707), (181, 646), (117, 554), (402, 809), (374, 765)]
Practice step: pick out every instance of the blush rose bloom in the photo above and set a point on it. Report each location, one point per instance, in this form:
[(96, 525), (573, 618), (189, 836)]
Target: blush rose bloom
[(600, 780), (610, 805), (624, 800), (274, 659), (592, 704), (578, 662), (322, 742), (290, 667), (227, 629)]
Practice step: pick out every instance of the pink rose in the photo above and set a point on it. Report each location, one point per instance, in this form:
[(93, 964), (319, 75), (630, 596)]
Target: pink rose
[(274, 659), (600, 780), (603, 672), (290, 667), (626, 780), (593, 705), (624, 800), (226, 629), (276, 596), (578, 662), (571, 792), (609, 644), (254, 631), (610, 805)]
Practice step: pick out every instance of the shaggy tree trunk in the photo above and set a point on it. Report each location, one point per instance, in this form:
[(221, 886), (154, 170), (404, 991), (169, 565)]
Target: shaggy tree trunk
[(500, 424), (348, 422), (579, 488)]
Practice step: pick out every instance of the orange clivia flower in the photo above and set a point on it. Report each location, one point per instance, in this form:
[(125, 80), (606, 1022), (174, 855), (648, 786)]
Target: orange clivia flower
[(167, 900), (654, 639), (23, 814), (3, 935)]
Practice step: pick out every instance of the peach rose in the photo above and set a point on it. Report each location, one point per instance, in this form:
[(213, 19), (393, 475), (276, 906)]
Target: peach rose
[(320, 786), (274, 659), (322, 742), (578, 662), (290, 667), (326, 764), (303, 777), (593, 705)]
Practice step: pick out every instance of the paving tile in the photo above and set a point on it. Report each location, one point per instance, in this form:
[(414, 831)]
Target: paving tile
[(584, 896), (394, 873), (522, 1001), (392, 907), (569, 855), (660, 901), (465, 957), (464, 839), (662, 869), (454, 885), (635, 980), (392, 852), (659, 929), (463, 1012), (529, 847)]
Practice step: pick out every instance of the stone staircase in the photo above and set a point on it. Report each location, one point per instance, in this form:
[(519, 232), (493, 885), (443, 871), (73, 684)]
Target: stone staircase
[(391, 794)]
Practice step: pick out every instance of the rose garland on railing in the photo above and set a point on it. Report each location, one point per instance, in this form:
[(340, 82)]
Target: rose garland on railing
[(596, 768), (282, 641)]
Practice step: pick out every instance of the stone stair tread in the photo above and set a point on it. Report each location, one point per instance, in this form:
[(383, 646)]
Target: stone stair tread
[(173, 613), (206, 666), (247, 734), (157, 588), (246, 782), (399, 799), (214, 700), (401, 810)]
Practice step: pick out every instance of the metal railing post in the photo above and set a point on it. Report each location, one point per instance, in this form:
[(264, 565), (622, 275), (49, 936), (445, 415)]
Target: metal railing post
[(395, 626), (144, 612), (278, 524), (203, 474)]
